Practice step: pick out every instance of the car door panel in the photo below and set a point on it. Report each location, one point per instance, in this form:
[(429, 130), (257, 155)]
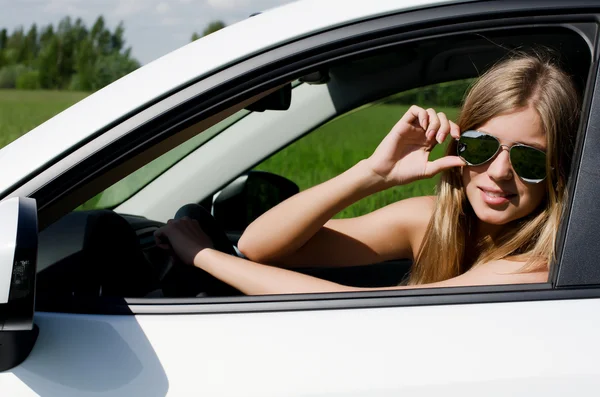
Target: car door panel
[(480, 349)]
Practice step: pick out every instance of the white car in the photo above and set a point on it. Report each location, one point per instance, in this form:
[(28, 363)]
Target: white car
[(115, 317)]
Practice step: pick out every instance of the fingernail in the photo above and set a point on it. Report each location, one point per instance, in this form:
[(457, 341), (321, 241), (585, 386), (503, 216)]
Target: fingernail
[(430, 134), (438, 139)]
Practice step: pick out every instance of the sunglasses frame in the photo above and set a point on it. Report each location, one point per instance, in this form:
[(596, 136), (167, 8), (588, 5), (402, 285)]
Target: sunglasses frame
[(500, 145)]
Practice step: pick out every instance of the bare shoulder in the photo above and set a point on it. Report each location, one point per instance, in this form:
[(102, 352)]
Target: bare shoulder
[(409, 213), (425, 204), (421, 206), (393, 231), (416, 209), (408, 219), (414, 212)]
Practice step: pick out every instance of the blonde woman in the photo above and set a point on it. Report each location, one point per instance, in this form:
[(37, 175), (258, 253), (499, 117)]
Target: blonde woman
[(493, 221)]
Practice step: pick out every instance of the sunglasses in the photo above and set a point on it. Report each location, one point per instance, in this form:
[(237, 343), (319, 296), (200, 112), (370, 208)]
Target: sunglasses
[(477, 148)]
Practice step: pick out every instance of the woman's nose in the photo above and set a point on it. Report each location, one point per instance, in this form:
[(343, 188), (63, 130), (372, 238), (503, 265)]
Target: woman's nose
[(500, 168)]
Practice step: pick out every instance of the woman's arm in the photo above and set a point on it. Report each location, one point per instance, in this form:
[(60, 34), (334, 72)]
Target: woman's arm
[(394, 231), (280, 236), (256, 279), (299, 231), (194, 247)]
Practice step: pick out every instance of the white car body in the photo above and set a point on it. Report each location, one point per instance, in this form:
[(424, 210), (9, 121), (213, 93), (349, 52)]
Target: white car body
[(518, 341)]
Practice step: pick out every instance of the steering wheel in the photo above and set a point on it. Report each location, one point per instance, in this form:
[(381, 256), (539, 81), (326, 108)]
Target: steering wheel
[(185, 281), (209, 225)]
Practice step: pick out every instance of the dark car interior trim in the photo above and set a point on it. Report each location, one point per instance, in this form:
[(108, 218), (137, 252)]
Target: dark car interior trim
[(333, 301)]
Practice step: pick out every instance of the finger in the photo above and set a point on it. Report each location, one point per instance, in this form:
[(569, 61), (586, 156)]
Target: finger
[(434, 124), (433, 167), (192, 225), (444, 128), (187, 220), (416, 114), (184, 222), (161, 240), (454, 130)]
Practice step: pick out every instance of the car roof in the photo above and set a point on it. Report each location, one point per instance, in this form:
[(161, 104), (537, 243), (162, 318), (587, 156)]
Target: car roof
[(266, 30)]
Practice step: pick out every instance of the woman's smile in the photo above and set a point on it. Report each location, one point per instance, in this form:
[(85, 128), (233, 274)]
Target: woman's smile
[(493, 196)]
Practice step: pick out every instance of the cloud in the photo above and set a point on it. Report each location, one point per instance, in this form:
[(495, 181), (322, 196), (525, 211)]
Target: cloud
[(228, 4), (127, 8), (238, 8), (171, 21), (163, 8), (65, 7)]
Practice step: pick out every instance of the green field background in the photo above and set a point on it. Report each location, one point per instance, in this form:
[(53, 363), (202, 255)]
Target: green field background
[(315, 158), (21, 111), (341, 143)]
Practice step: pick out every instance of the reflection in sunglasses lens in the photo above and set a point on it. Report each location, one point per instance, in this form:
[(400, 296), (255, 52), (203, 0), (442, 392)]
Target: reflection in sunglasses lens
[(477, 148), (529, 163)]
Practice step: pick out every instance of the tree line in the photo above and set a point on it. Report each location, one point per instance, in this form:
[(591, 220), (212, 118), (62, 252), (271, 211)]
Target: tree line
[(70, 56)]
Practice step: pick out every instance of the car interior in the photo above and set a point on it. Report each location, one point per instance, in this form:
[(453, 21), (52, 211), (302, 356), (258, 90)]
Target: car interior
[(100, 253)]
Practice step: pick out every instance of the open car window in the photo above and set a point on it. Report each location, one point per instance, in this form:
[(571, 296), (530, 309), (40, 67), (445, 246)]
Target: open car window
[(342, 142), (365, 96)]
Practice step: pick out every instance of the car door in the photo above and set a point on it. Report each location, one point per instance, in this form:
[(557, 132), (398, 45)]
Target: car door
[(528, 340)]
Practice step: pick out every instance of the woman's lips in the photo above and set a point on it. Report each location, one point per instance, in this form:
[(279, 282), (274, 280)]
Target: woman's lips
[(495, 197)]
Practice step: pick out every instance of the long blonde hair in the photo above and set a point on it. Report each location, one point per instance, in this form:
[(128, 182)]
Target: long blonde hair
[(448, 248)]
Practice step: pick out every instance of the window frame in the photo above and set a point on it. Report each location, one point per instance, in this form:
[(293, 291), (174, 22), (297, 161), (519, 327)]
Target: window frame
[(153, 126), (578, 255)]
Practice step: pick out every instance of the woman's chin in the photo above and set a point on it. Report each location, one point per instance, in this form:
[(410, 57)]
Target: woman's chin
[(494, 217)]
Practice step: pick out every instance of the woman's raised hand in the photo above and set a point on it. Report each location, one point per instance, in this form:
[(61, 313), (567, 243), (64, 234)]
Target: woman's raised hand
[(403, 155)]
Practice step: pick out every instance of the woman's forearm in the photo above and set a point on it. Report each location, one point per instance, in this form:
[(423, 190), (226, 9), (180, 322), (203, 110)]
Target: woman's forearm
[(285, 228), (253, 278)]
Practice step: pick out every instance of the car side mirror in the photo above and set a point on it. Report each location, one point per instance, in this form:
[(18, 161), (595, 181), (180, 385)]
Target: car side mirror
[(248, 197), (18, 258)]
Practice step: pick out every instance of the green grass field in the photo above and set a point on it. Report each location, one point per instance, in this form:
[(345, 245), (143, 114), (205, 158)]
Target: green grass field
[(21, 111), (317, 157), (340, 144)]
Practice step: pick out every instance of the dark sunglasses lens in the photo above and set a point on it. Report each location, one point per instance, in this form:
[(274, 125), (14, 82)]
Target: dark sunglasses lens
[(476, 148), (528, 163)]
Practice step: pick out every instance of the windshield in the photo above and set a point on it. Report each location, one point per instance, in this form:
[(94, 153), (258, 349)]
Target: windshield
[(131, 184)]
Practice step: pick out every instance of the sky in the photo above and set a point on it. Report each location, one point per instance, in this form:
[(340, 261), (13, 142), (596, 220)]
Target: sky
[(152, 27)]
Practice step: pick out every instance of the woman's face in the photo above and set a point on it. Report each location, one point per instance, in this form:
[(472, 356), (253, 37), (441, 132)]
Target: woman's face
[(495, 191)]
